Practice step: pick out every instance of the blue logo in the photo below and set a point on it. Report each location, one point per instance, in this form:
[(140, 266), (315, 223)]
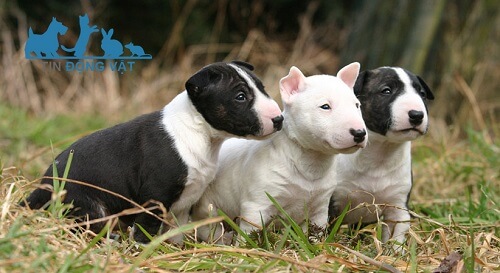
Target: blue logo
[(45, 46)]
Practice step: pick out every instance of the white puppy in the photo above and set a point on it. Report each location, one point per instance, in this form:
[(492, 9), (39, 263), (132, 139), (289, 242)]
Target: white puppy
[(322, 118)]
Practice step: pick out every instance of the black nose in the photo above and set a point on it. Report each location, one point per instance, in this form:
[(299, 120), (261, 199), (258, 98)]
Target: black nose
[(359, 135), (278, 122), (416, 117)]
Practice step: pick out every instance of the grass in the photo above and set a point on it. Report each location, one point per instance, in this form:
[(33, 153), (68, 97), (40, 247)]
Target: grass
[(25, 138), (455, 204), (455, 197)]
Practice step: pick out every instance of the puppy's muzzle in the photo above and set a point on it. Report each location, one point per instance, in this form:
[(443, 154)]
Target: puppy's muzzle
[(278, 122), (359, 134)]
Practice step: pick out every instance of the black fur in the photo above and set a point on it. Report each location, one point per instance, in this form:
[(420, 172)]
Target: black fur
[(120, 159), (232, 107), (377, 93), (138, 160)]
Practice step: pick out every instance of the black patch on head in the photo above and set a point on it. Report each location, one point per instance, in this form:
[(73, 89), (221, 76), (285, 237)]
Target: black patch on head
[(378, 89), (248, 68), (420, 86), (225, 99)]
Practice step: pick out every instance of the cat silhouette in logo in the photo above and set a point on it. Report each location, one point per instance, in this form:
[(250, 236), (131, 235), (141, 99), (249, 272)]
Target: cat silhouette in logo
[(46, 44), (137, 51), (112, 48), (85, 31)]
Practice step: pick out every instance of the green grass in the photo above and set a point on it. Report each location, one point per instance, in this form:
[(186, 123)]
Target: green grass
[(24, 138), (455, 203)]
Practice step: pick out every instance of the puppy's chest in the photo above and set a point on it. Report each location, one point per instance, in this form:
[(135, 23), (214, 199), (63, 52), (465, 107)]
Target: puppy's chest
[(198, 179), (366, 187), (304, 194), (306, 190), (374, 193)]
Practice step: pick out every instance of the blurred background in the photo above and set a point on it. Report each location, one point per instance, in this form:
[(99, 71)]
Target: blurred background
[(452, 45)]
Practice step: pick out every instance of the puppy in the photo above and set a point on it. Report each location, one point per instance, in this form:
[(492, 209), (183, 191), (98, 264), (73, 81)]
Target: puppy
[(322, 119), (168, 156), (394, 107)]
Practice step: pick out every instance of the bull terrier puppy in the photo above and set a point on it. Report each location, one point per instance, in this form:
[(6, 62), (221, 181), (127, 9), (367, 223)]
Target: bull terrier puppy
[(377, 180), (169, 156)]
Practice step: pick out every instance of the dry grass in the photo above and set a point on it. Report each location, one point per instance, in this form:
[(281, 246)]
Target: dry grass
[(36, 240), (450, 165)]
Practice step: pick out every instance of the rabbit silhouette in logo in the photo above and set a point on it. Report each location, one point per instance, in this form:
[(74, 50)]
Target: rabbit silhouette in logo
[(112, 48)]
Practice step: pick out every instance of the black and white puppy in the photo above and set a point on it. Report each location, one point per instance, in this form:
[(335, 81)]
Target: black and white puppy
[(394, 108), (170, 155)]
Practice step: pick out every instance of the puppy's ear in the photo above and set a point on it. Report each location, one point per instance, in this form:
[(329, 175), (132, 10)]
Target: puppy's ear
[(199, 81), (349, 73), (243, 64), (360, 81), (428, 92), (291, 84)]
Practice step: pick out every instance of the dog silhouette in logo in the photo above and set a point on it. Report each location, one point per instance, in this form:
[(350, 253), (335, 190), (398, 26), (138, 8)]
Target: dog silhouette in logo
[(137, 51), (112, 48), (85, 31), (46, 43)]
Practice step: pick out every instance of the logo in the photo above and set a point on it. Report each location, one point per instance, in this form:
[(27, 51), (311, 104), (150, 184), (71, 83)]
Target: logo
[(45, 46)]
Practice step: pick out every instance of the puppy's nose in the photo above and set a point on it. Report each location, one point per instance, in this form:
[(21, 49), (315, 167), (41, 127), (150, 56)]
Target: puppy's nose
[(359, 134), (278, 122), (416, 117)]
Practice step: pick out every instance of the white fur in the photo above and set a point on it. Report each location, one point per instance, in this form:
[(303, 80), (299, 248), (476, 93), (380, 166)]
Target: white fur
[(198, 143), (294, 164), (409, 100), (377, 179), (376, 175)]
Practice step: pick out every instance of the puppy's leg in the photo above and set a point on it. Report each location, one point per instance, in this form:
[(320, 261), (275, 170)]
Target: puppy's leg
[(396, 225), (208, 233), (254, 215), (182, 218), (149, 223), (319, 217), (319, 209), (86, 208)]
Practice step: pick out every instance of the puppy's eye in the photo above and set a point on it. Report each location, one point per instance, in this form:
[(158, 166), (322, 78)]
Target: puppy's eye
[(325, 106), (422, 94), (241, 97), (386, 91), (358, 105)]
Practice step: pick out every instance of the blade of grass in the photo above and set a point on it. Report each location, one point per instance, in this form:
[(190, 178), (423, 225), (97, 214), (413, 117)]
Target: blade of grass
[(283, 240), (338, 223), (68, 164), (295, 227), (158, 240), (54, 170), (70, 260), (236, 228), (265, 234), (303, 246)]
